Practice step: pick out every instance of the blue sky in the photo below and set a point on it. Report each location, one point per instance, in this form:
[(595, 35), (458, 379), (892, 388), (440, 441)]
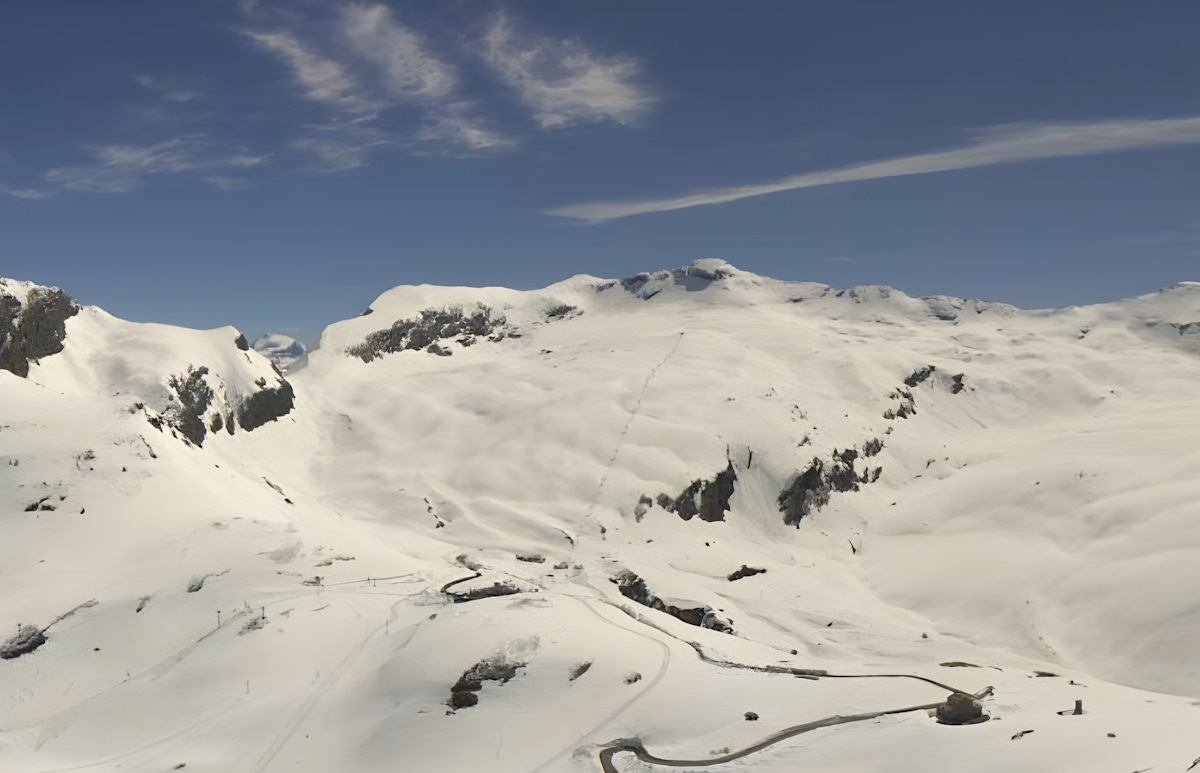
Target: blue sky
[(276, 165)]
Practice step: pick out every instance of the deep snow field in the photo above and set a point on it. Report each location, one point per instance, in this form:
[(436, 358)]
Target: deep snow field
[(283, 597)]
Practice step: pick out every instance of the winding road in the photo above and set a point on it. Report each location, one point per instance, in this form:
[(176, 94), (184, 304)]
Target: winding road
[(607, 753)]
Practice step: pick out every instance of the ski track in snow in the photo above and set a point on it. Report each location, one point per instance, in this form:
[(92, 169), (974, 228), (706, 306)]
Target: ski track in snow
[(633, 414)]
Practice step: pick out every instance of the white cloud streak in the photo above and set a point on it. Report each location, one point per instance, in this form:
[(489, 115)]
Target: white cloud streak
[(338, 148), (360, 67), (562, 82), (323, 80), (1005, 144), (124, 168), (409, 70), (457, 124), (170, 94)]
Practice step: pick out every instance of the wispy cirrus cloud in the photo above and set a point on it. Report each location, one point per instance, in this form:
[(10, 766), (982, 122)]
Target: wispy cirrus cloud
[(24, 193), (337, 148), (124, 168), (321, 79), (168, 92), (1006, 144), (356, 83), (563, 82), (409, 70), (458, 125), (382, 86)]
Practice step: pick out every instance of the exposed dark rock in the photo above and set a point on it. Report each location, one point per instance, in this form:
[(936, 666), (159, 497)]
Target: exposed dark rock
[(578, 670), (439, 351), (872, 447), (33, 331), (745, 571), (531, 558), (807, 493), (267, 404), (633, 677), (216, 424), (28, 639), (919, 376), (560, 311), (494, 669), (430, 326), (463, 699), (636, 284), (811, 489), (708, 499), (189, 404), (241, 343), (907, 407), (634, 588), (714, 275), (960, 709), (643, 506), (484, 592), (751, 716), (957, 664), (957, 386)]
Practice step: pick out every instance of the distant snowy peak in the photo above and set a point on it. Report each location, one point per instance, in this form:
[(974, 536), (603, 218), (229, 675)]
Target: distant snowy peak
[(286, 352)]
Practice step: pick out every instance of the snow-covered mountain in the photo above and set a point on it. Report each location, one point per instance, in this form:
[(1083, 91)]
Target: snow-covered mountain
[(679, 516)]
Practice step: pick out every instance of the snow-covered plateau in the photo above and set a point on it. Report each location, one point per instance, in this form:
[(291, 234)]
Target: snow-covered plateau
[(696, 516)]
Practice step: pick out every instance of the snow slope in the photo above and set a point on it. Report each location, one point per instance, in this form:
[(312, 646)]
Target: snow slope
[(1037, 513)]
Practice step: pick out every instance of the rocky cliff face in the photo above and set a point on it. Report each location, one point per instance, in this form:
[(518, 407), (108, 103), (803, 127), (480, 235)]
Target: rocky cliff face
[(34, 328)]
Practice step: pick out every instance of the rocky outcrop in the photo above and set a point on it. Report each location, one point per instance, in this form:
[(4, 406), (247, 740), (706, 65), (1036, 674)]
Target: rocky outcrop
[(708, 499), (191, 398), (745, 571), (429, 327), (634, 588), (907, 405), (35, 329), (920, 375), (28, 639), (563, 311), (811, 489), (265, 405), (497, 668), (960, 709)]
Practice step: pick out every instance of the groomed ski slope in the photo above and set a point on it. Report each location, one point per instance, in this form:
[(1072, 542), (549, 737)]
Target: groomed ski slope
[(1041, 518)]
